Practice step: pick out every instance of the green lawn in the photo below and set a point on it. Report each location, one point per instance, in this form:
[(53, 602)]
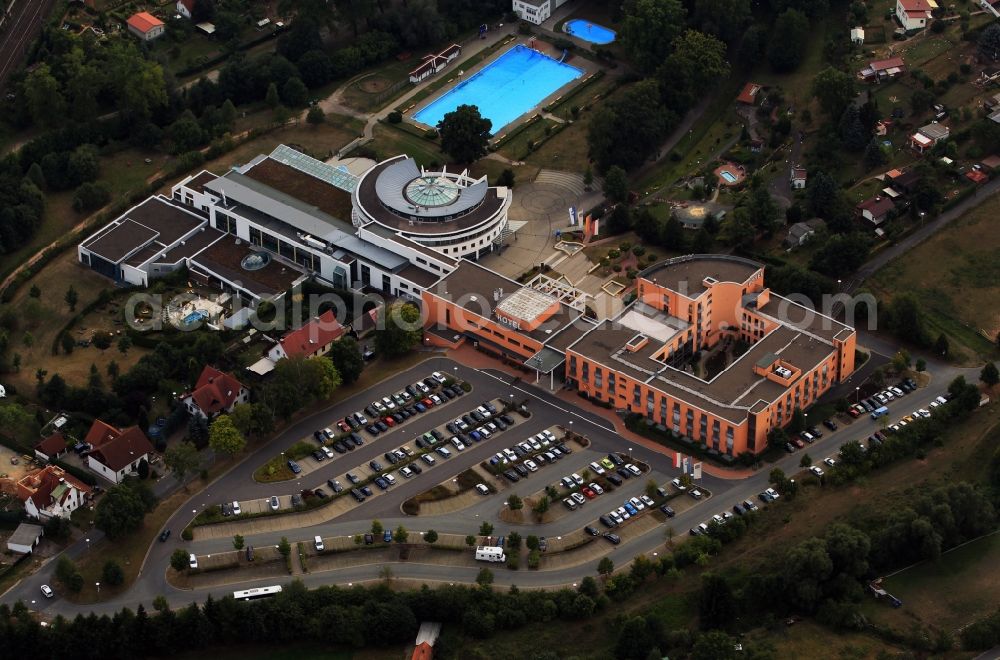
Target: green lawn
[(295, 651), (517, 147), (390, 141)]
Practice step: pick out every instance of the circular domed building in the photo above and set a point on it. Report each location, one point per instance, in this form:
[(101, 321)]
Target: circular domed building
[(451, 213)]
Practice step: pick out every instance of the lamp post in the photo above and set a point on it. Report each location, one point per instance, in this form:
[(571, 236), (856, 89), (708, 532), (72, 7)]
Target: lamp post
[(98, 587), (857, 394), (88, 545)]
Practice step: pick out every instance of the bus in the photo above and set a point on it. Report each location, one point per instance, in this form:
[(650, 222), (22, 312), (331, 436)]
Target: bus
[(255, 594)]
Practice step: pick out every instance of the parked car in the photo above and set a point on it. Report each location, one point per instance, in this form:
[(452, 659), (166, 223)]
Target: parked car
[(668, 511), (591, 530), (164, 535), (818, 471), (830, 424), (274, 503), (334, 485), (48, 593), (614, 538), (294, 467)]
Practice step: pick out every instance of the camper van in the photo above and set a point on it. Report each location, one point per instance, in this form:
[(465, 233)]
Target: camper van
[(490, 553)]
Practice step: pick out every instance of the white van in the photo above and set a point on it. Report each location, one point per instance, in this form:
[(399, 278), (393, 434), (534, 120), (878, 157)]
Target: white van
[(318, 542), (490, 553)]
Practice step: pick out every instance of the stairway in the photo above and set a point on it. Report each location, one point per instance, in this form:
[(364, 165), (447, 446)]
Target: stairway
[(571, 181)]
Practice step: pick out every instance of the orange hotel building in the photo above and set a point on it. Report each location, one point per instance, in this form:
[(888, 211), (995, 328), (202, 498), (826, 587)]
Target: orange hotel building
[(636, 360)]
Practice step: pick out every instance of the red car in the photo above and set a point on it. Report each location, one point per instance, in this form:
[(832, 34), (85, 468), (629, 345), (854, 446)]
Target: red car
[(389, 421), (589, 494), (853, 413), (798, 442), (343, 426), (427, 402)]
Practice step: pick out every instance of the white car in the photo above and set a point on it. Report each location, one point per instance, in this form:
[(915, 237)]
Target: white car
[(818, 471), (318, 543), (388, 403), (576, 478), (549, 435), (273, 502), (580, 499), (534, 444), (647, 500), (484, 412), (696, 494), (634, 501), (623, 512), (596, 468), (482, 489), (389, 478), (676, 483), (570, 504), (941, 400), (329, 452), (377, 405), (437, 400), (47, 591), (597, 489), (633, 469), (923, 412), (830, 461), (532, 467), (236, 509), (192, 561), (427, 458), (935, 404), (406, 472), (718, 519), (773, 493), (422, 387), (438, 376), (614, 515), (328, 432), (457, 443)]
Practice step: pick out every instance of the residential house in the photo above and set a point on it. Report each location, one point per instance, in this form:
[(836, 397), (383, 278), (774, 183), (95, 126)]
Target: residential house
[(51, 493), (116, 453), (536, 11), (876, 210), (798, 178), (991, 163), (800, 233), (313, 339), (51, 447), (914, 14), (879, 70), (927, 136), (902, 181), (25, 538), (858, 36), (748, 96), (215, 392), (435, 62), (145, 26), (186, 8)]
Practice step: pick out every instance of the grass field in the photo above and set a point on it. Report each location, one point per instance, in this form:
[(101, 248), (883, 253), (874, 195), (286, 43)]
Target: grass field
[(301, 651), (516, 148), (390, 141), (956, 277)]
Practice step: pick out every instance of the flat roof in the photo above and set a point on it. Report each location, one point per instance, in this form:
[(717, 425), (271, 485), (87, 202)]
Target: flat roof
[(119, 239), (418, 276), (191, 246), (802, 318), (686, 274), (223, 258), (389, 234), (295, 183)]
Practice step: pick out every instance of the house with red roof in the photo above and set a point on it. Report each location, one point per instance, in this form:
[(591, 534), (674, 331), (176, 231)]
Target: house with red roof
[(914, 14), (51, 447), (51, 493), (876, 210), (313, 339), (115, 453), (186, 8), (215, 392), (749, 94), (145, 26)]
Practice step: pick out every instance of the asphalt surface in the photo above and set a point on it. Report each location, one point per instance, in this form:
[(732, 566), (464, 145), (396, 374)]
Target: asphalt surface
[(20, 27), (546, 410)]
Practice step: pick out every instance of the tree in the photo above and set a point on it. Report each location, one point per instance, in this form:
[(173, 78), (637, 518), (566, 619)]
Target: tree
[(315, 116), (44, 99), (635, 640), (238, 542), (921, 101), (806, 460), (294, 93), (506, 178), (224, 438), (874, 155), (532, 542), (400, 535), (841, 254), (185, 133), (514, 502), (697, 62), (941, 345), (377, 527), (789, 38), (346, 357), (486, 528), (627, 129), (672, 234), (485, 577), (716, 602), (736, 228), (606, 566), (112, 574), (179, 559), (852, 131), (124, 344), (123, 508), (989, 43), (143, 469), (714, 645), (91, 195), (835, 91), (616, 184), (470, 540), (430, 536), (726, 19), (71, 298), (465, 134), (649, 29), (989, 375), (398, 329), (271, 98), (284, 547), (541, 506)]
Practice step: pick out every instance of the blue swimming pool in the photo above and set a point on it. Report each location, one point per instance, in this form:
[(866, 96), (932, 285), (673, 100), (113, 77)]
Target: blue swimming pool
[(592, 32), (728, 176), (195, 316), (508, 87)]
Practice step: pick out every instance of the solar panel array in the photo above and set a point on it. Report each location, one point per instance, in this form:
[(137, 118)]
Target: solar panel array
[(339, 178)]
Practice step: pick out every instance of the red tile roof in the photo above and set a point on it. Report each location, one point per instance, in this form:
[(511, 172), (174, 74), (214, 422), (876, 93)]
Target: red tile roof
[(144, 21), (977, 176), (916, 6), (215, 391), (423, 651), (38, 486), (188, 4), (749, 93), (891, 63), (308, 339), (115, 448), (877, 206), (52, 445)]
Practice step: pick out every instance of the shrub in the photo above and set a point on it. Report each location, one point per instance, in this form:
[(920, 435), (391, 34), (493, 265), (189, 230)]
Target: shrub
[(395, 117), (431, 134)]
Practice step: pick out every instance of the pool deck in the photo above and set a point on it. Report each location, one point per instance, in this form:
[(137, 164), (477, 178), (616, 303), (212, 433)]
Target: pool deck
[(588, 67)]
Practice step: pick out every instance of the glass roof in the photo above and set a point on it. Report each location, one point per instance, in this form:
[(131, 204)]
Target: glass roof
[(432, 191), (335, 176)]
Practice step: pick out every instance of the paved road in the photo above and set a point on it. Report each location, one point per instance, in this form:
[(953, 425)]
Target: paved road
[(547, 411), (20, 27)]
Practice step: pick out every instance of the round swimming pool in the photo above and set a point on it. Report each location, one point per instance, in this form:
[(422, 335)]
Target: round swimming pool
[(592, 32)]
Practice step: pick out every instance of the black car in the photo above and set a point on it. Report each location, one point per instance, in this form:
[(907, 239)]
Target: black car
[(437, 435), (815, 431), (616, 459), (451, 428), (564, 449), (334, 485), (320, 493), (518, 450), (319, 436), (446, 393), (624, 473), (521, 470), (374, 430), (431, 383), (371, 412), (416, 468), (613, 478), (457, 390), (339, 447), (667, 511), (738, 509), (507, 420), (420, 443), (381, 483), (511, 476), (389, 456), (296, 500), (614, 538), (489, 406), (830, 424), (412, 410), (607, 521), (592, 531), (468, 420), (404, 414), (369, 539), (164, 535), (318, 455), (398, 418), (353, 423), (366, 491), (375, 466), (502, 425), (356, 494), (475, 414), (356, 439), (411, 390), (382, 426)]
